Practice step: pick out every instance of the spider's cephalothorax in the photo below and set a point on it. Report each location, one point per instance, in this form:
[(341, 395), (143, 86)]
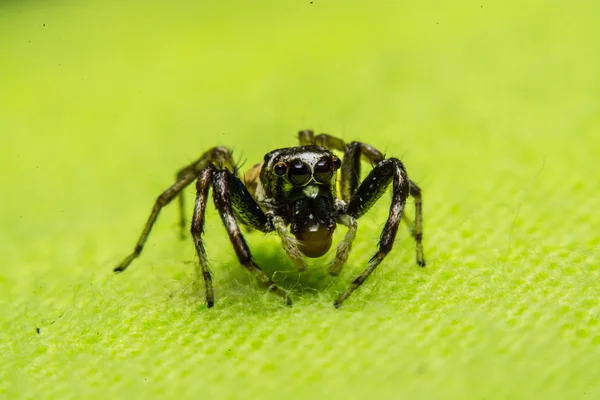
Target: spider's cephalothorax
[(293, 192), (298, 183)]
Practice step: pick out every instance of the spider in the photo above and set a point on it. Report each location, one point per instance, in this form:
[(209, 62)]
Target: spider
[(293, 192)]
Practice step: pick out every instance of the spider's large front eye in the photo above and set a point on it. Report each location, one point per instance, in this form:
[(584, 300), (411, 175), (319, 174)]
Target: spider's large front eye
[(299, 173), (280, 168), (324, 170)]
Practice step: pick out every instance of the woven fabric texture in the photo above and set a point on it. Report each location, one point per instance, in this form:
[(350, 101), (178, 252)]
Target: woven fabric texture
[(492, 106)]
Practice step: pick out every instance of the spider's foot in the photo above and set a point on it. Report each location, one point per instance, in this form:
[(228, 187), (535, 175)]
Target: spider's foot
[(420, 256), (338, 302), (125, 263), (122, 267)]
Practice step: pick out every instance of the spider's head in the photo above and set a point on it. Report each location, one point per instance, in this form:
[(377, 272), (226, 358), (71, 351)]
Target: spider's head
[(301, 180)]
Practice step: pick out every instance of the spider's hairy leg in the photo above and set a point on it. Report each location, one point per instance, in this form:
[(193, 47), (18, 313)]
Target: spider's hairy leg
[(162, 200), (350, 179), (343, 249), (370, 190), (220, 156), (354, 152), (417, 227), (202, 186), (307, 136), (234, 203), (289, 243)]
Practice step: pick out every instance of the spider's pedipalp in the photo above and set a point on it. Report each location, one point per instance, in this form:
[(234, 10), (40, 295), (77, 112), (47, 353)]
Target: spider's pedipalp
[(289, 243), (344, 247)]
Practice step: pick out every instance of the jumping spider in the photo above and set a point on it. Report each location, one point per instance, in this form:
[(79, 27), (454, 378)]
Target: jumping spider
[(293, 187)]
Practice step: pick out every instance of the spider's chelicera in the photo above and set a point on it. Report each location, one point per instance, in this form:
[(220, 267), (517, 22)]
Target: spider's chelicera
[(293, 193)]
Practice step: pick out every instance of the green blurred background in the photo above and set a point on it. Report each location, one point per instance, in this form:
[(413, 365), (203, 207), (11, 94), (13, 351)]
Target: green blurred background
[(493, 107)]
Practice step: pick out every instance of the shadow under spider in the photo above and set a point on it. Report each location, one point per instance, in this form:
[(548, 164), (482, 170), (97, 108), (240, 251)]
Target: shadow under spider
[(273, 261)]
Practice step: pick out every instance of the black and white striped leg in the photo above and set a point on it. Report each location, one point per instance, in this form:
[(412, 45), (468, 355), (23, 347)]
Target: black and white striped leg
[(370, 190), (219, 156), (233, 202), (202, 186), (351, 167), (361, 197), (354, 153)]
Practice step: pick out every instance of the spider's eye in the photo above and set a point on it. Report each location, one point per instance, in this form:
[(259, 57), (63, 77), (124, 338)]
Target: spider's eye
[(324, 170), (280, 168), (337, 163), (299, 173)]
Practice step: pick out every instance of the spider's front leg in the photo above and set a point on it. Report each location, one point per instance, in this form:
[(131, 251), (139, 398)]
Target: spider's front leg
[(233, 202), (354, 153), (370, 190), (220, 156)]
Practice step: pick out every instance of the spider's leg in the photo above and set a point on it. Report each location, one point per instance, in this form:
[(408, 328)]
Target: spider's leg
[(350, 171), (323, 139), (343, 249), (202, 186), (349, 181), (221, 156), (417, 230), (353, 153), (162, 200), (234, 203), (371, 189)]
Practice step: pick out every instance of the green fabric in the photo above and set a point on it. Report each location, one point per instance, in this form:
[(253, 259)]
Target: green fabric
[(493, 107)]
